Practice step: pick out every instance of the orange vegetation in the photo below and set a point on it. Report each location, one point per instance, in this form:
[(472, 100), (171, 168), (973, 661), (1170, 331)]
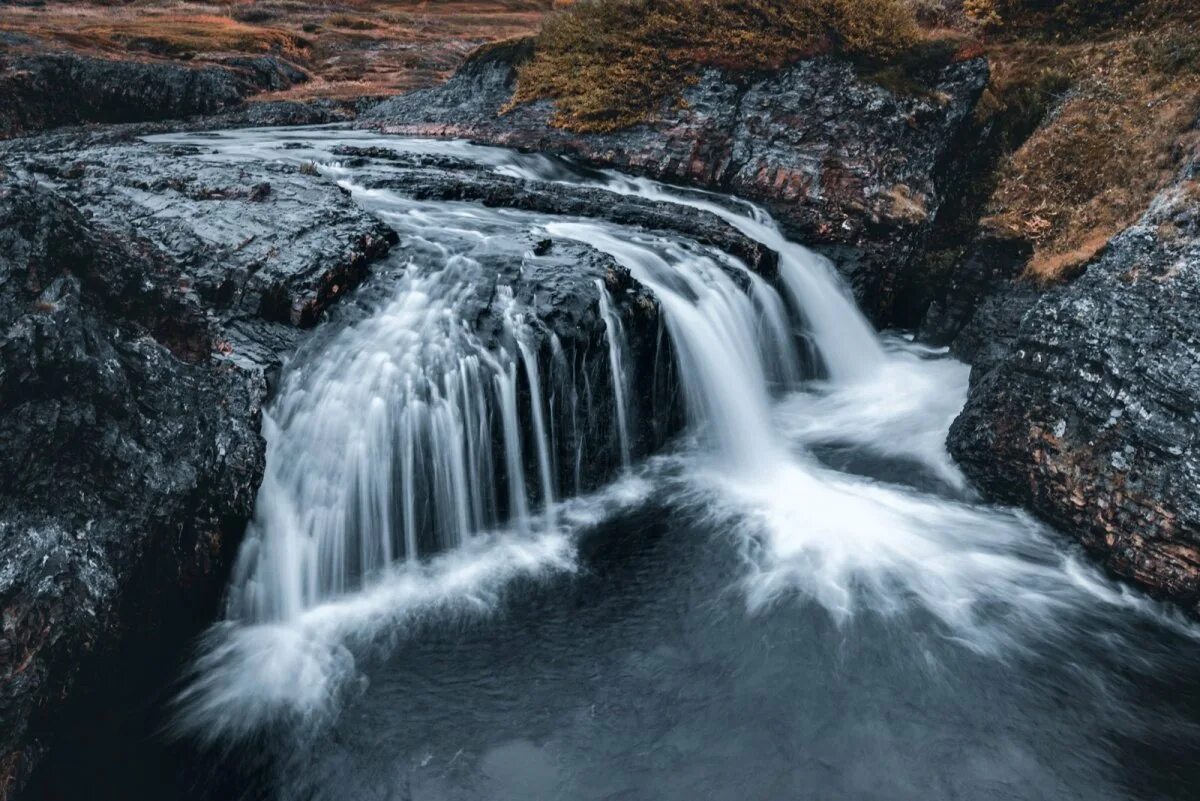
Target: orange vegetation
[(349, 47)]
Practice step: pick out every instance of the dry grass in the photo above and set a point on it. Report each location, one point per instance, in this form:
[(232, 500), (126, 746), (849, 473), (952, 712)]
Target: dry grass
[(1062, 18), (1125, 107), (350, 47), (186, 36), (609, 64)]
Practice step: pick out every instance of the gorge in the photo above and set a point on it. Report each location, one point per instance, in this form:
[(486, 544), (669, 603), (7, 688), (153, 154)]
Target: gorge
[(494, 460)]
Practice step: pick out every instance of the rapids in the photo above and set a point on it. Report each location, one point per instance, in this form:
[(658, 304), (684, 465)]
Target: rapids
[(799, 597)]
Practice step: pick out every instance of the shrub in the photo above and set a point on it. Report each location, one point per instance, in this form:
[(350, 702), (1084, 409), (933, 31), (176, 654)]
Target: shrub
[(253, 16), (609, 64)]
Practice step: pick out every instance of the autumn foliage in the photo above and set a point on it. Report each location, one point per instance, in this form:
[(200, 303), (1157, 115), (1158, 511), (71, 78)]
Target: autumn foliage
[(609, 64)]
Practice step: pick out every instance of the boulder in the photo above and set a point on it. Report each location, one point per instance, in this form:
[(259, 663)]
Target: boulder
[(1090, 413)]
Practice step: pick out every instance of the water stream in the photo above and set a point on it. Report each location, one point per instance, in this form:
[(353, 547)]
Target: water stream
[(799, 597)]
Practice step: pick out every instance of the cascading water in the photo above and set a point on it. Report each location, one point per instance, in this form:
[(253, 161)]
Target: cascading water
[(616, 362), (405, 438), (420, 462), (715, 329)]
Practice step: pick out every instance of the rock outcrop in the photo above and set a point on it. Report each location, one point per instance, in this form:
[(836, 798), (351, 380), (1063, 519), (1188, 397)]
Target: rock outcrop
[(145, 299), (47, 90), (1090, 414), (846, 165)]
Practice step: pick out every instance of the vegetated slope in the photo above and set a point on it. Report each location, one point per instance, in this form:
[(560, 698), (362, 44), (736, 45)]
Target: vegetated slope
[(342, 50), (611, 63), (1115, 86), (1120, 83)]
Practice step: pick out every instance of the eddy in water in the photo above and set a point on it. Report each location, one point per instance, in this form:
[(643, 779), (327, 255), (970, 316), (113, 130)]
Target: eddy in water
[(799, 597)]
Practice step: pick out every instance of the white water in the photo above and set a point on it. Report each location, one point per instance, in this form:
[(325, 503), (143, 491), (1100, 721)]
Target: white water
[(616, 365), (384, 448), (406, 403), (714, 328)]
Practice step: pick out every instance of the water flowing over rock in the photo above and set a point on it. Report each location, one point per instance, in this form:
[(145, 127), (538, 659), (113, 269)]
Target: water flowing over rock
[(1089, 413), (423, 463), (846, 166), (200, 264)]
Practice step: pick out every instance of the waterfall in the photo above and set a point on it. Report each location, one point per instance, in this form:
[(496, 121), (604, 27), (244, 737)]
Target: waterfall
[(844, 339), (616, 363), (405, 437), (408, 436), (379, 451), (424, 456), (402, 438), (715, 330)]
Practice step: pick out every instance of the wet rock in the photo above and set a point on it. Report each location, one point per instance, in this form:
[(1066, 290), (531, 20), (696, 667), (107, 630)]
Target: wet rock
[(558, 292), (845, 165), (146, 299), (983, 303), (47, 90), (426, 178), (1090, 416)]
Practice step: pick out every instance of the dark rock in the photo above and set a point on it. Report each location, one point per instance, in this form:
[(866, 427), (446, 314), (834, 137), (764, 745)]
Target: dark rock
[(558, 291), (264, 73), (981, 306), (1090, 417), (53, 89), (437, 178), (146, 299), (845, 165)]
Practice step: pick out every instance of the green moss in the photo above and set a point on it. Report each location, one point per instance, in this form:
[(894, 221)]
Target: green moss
[(609, 64)]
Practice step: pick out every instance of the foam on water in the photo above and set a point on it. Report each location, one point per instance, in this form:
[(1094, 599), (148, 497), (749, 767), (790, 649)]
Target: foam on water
[(760, 459), (294, 671)]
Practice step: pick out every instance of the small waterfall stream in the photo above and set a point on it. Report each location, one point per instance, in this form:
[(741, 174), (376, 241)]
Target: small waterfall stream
[(446, 440), (715, 328), (616, 362)]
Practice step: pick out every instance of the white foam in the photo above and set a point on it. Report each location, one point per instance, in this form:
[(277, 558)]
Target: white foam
[(847, 542)]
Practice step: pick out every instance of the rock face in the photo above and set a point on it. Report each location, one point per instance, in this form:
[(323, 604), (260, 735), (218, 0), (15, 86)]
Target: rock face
[(47, 90), (145, 299), (1091, 415), (845, 165)]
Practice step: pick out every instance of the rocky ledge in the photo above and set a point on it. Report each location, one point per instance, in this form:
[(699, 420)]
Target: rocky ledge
[(145, 299), (46, 90), (1088, 409), (847, 166)]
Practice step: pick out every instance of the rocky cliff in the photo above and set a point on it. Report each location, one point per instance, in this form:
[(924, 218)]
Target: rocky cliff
[(1088, 415), (847, 166)]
